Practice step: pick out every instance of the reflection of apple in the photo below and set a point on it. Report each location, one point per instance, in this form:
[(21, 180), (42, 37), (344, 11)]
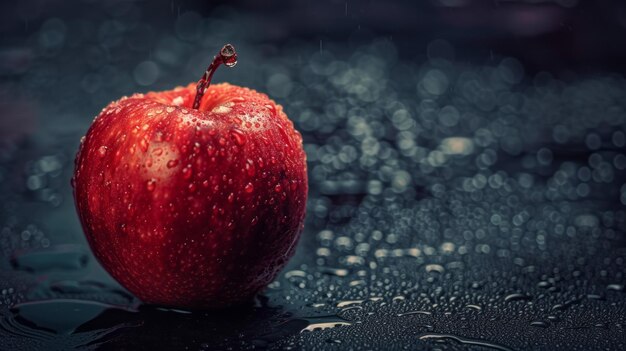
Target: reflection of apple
[(192, 207)]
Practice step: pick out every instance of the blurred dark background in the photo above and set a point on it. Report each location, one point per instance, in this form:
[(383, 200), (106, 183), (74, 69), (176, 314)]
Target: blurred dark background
[(555, 35)]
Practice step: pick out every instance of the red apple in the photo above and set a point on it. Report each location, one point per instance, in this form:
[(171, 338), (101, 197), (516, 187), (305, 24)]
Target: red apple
[(189, 199)]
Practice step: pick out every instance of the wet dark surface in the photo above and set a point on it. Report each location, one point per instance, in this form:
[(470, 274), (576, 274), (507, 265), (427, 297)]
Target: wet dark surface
[(454, 204)]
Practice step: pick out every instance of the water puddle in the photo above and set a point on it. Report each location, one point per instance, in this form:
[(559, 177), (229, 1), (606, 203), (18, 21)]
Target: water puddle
[(62, 324)]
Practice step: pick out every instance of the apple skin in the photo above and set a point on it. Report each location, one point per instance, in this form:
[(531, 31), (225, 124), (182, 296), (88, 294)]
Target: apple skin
[(192, 208)]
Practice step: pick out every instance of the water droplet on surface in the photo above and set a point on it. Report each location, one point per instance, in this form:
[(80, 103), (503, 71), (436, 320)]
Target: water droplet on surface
[(347, 303), (434, 268), (339, 272), (325, 325), (413, 313), (517, 297), (295, 273), (539, 324), (324, 322)]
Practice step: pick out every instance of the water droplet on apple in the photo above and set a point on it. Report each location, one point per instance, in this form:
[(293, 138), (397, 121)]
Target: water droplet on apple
[(143, 144), (102, 151), (158, 151), (231, 197), (229, 57), (271, 107), (172, 163), (196, 147), (249, 188), (238, 136), (221, 109), (222, 141), (210, 150), (178, 101), (151, 184), (158, 136), (278, 188), (250, 168), (170, 109), (192, 188), (187, 172)]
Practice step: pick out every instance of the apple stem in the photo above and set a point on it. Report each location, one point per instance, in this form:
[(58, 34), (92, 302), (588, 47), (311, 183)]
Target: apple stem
[(227, 56)]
